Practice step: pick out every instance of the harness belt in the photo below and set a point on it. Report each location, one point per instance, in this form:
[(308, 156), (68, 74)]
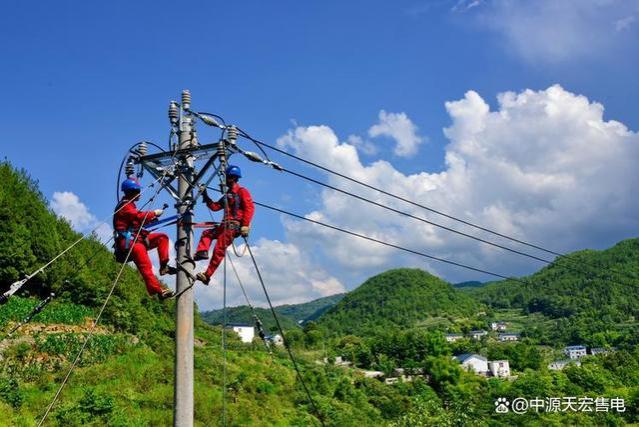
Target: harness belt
[(128, 236)]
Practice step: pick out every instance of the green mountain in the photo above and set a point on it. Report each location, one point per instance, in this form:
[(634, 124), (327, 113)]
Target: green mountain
[(309, 310), (590, 296), (243, 314), (469, 284), (290, 315), (125, 376), (396, 299)]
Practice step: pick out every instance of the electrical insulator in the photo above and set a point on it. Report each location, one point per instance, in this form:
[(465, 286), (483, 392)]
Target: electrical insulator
[(143, 148), (231, 133), (174, 115), (186, 99), (129, 169)]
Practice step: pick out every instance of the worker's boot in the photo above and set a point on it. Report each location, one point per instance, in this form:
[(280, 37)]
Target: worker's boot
[(201, 255), (166, 293), (167, 269), (202, 277)]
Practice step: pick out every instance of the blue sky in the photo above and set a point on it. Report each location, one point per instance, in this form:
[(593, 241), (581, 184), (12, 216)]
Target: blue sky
[(83, 81)]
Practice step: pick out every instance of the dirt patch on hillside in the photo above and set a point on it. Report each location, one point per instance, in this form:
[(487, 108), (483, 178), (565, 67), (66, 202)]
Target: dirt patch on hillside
[(41, 328)]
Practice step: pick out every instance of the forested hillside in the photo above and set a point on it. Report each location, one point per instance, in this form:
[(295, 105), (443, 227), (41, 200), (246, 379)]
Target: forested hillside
[(394, 299), (31, 235), (244, 315), (290, 315), (125, 376), (592, 296)]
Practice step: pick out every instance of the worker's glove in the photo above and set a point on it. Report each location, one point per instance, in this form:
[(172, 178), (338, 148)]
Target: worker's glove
[(158, 212), (244, 231)]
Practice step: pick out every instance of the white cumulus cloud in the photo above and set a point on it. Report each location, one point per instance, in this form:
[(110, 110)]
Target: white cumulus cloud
[(551, 31), (288, 273), (67, 205), (399, 127), (544, 167)]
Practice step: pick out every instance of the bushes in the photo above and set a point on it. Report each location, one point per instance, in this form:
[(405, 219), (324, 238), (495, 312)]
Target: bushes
[(92, 409), (10, 392), (99, 348)]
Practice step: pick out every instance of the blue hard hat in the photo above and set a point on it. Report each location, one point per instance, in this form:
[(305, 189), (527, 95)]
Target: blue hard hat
[(130, 184), (234, 171)]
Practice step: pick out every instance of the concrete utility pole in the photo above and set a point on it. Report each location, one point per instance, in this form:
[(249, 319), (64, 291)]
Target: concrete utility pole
[(178, 163), (183, 392)]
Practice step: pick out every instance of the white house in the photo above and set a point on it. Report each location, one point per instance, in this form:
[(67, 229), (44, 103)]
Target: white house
[(372, 374), (508, 336), (558, 365), (275, 339), (498, 326), (453, 337), (473, 362), (477, 335), (499, 368), (246, 332), (575, 351)]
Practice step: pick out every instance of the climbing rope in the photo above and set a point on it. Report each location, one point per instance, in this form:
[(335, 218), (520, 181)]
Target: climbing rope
[(98, 317), (46, 301), (279, 327), (15, 287), (258, 322), (37, 309)]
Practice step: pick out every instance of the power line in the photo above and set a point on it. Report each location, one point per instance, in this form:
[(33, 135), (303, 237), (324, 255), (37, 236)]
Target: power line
[(438, 212), (50, 297), (408, 215), (279, 327), (392, 245), (97, 319), (15, 287), (256, 318), (560, 256), (452, 230)]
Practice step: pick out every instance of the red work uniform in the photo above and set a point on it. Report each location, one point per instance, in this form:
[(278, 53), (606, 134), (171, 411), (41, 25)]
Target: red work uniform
[(126, 222), (238, 214)]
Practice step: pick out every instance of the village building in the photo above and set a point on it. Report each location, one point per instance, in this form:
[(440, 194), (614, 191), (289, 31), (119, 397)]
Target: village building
[(473, 362), (498, 326), (275, 339), (508, 336), (454, 337), (245, 332), (499, 368), (372, 374), (477, 335), (559, 365), (575, 351)]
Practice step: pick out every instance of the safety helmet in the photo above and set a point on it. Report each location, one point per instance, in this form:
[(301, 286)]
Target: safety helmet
[(234, 171), (130, 184)]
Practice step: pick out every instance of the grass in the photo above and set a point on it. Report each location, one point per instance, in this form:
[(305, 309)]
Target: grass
[(16, 309)]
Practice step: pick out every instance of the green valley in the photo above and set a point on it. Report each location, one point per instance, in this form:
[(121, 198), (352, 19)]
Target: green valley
[(382, 354)]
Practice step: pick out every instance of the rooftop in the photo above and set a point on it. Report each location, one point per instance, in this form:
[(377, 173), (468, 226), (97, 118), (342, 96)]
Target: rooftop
[(463, 357), (575, 347)]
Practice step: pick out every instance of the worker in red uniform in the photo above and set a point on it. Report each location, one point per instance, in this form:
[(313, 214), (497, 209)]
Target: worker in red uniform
[(239, 210), (127, 224)]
